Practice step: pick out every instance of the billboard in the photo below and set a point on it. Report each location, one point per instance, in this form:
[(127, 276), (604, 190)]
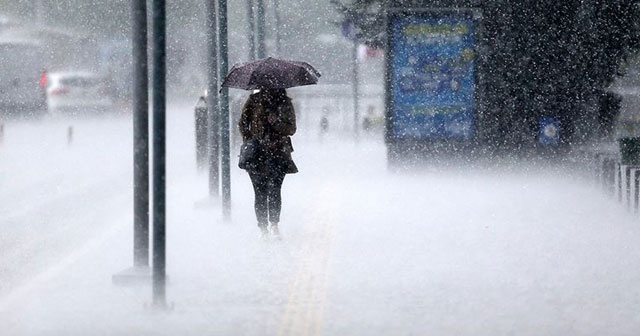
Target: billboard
[(431, 75)]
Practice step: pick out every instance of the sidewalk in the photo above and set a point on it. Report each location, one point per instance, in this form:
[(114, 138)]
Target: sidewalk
[(364, 252)]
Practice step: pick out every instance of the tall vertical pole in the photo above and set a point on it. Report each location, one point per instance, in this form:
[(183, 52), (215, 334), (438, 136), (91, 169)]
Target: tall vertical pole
[(276, 10), (260, 29), (159, 150), (140, 135), (213, 128), (356, 112), (224, 110), (251, 17)]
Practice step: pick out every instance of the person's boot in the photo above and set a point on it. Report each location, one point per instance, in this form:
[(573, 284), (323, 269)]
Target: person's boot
[(274, 231), (264, 231)]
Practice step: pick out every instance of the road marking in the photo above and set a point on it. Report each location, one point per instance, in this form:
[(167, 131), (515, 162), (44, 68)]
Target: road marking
[(20, 293), (305, 308)]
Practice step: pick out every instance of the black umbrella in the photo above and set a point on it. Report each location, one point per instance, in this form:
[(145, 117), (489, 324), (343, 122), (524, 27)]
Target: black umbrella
[(270, 73)]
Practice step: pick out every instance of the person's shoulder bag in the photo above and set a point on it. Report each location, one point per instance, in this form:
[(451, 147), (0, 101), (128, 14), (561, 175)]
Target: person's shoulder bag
[(250, 153)]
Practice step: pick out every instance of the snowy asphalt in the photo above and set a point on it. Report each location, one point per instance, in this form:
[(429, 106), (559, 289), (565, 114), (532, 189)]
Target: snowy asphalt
[(484, 251)]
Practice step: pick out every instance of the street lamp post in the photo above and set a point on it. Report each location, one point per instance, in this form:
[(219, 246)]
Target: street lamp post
[(213, 133), (223, 104), (251, 17), (140, 270), (260, 29), (140, 135), (356, 93), (276, 11), (159, 151)]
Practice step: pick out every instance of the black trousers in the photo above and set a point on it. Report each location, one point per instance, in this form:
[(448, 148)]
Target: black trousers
[(268, 197)]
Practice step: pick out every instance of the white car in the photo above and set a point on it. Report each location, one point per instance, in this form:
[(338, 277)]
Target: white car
[(77, 92)]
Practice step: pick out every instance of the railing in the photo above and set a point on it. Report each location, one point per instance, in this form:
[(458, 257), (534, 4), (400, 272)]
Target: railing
[(620, 180)]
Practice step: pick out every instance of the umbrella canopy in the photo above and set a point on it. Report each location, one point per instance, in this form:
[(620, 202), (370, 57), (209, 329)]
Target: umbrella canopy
[(270, 73)]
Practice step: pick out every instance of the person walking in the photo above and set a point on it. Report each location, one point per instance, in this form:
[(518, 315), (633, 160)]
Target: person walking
[(268, 117)]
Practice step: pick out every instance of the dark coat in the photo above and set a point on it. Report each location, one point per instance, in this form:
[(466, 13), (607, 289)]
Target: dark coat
[(272, 121)]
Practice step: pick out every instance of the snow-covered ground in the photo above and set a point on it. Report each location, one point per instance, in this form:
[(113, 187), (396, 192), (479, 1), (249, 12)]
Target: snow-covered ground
[(483, 250)]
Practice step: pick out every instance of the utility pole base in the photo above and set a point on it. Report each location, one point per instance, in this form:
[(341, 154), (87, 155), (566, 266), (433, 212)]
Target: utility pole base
[(134, 276)]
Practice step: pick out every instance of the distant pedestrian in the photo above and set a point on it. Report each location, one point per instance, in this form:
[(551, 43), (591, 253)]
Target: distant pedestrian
[(324, 125), (268, 116), (367, 121), (324, 122)]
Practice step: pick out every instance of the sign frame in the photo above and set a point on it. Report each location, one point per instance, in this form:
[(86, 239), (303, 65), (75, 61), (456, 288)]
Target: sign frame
[(419, 107)]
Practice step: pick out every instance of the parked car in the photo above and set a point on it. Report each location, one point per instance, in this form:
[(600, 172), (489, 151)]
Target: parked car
[(77, 92), (22, 79)]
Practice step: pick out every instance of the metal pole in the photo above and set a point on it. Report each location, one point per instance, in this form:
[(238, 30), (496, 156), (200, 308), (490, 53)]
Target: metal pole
[(251, 17), (159, 150), (213, 133), (224, 110), (260, 27), (140, 135), (276, 10), (356, 114)]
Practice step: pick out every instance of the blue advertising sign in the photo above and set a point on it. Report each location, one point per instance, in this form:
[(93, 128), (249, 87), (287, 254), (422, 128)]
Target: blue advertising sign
[(431, 73)]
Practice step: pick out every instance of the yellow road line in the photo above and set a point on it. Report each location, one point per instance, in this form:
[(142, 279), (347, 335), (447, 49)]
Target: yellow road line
[(305, 308)]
